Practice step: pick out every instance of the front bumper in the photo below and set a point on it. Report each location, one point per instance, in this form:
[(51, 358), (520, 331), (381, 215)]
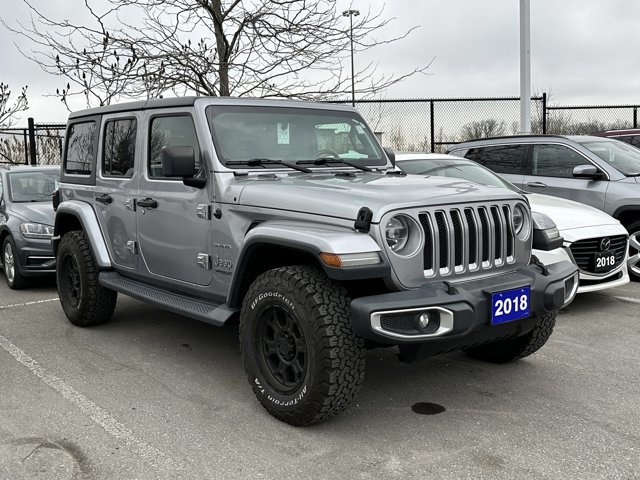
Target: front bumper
[(35, 257), (462, 311)]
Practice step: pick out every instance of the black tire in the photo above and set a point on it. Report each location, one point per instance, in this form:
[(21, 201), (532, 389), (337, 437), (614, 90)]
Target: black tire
[(11, 265), (633, 263), (302, 358), (84, 301), (518, 347)]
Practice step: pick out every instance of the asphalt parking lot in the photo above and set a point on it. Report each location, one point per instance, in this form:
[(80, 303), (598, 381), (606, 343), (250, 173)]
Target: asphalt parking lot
[(153, 395)]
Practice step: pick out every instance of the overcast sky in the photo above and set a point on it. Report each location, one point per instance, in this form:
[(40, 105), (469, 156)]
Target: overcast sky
[(583, 51)]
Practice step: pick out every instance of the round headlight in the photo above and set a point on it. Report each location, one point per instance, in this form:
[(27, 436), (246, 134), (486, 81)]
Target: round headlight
[(397, 233), (403, 235), (518, 219)]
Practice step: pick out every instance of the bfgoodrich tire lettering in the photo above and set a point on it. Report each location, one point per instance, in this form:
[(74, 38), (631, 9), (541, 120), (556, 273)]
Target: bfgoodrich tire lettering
[(301, 356), (518, 347), (84, 301)]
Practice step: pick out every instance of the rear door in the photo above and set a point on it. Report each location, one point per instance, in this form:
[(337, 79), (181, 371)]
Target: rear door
[(506, 160), (117, 178), (173, 219)]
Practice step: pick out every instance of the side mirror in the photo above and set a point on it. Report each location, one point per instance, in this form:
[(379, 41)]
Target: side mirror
[(178, 162), (586, 171), (391, 155), (545, 233)]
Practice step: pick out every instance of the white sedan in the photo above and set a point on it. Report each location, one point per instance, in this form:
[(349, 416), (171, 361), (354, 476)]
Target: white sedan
[(593, 240)]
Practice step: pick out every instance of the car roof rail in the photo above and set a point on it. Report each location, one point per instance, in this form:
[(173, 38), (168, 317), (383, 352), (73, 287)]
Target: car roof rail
[(503, 137)]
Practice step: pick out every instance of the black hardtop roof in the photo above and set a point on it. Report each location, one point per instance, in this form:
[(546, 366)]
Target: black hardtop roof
[(190, 101)]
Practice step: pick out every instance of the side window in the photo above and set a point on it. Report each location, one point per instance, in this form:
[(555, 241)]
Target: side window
[(555, 161), (80, 148), (170, 131), (500, 159), (119, 148), (631, 139)]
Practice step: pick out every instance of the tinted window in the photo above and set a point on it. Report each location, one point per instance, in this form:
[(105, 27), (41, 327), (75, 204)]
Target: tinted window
[(177, 131), (500, 159), (80, 148), (631, 139), (119, 148), (624, 158), (555, 161)]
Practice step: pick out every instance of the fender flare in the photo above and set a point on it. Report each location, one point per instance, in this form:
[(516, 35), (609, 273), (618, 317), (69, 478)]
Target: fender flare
[(311, 240), (86, 216)]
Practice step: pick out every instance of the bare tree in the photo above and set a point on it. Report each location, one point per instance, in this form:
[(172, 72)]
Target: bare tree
[(8, 111), (259, 48), (489, 127)]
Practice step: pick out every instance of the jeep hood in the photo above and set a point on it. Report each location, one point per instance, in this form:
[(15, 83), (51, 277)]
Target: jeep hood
[(343, 196), (36, 212)]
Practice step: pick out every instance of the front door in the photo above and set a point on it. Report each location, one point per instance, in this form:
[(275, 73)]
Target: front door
[(173, 219)]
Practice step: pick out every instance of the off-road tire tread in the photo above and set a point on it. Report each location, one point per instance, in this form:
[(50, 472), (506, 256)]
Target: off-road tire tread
[(504, 351), (99, 302), (342, 353)]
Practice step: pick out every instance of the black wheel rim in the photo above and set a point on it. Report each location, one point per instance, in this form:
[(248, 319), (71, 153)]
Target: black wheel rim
[(70, 281), (282, 349)]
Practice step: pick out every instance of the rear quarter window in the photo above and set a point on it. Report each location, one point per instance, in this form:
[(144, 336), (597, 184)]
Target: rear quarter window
[(80, 153)]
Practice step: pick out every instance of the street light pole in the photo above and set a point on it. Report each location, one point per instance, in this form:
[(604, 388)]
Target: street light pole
[(351, 14)]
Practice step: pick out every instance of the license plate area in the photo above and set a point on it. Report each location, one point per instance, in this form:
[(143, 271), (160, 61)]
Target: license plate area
[(604, 262), (510, 305)]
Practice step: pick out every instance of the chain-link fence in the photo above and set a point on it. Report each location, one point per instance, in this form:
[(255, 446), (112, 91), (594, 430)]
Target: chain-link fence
[(432, 124), (581, 120), (46, 138)]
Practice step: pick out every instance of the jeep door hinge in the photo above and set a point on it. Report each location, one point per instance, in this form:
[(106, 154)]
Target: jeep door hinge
[(203, 210), (204, 261), (130, 204), (131, 247)]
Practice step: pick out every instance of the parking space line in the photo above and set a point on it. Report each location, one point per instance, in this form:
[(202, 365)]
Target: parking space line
[(99, 415), (627, 299), (35, 302)]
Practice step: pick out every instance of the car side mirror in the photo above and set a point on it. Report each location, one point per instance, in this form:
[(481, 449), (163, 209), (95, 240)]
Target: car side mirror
[(178, 162), (586, 171), (391, 155)]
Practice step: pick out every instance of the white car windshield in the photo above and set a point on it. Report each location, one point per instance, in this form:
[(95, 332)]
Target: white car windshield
[(621, 156), (257, 136)]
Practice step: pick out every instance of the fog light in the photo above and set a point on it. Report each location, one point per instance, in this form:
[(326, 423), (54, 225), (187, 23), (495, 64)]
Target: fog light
[(424, 320)]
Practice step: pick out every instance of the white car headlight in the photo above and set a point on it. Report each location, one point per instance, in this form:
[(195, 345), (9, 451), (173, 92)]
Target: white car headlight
[(403, 235), (36, 230)]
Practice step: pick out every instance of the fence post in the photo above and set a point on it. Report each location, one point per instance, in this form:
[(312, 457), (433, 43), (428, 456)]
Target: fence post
[(635, 117), (26, 147), (544, 112), (431, 126), (32, 141)]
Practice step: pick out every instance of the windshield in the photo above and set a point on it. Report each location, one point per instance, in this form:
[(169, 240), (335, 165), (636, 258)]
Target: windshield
[(621, 156), (34, 186), (243, 133), (463, 169)]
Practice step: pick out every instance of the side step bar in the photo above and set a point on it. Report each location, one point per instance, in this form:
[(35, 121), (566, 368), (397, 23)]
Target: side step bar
[(212, 313)]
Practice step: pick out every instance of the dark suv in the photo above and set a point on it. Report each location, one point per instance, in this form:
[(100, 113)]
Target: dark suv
[(26, 222), (597, 171)]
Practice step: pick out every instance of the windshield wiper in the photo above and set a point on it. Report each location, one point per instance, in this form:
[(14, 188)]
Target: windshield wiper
[(328, 160), (257, 162)]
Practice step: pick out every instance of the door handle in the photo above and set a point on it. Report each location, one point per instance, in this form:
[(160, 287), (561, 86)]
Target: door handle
[(147, 203), (104, 199), (536, 184)]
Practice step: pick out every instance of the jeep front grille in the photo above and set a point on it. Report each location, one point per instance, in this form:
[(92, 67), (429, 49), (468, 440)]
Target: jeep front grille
[(584, 251), (467, 239)]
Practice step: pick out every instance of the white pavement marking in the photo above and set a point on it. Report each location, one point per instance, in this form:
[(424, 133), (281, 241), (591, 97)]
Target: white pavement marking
[(100, 416), (35, 302), (627, 299)]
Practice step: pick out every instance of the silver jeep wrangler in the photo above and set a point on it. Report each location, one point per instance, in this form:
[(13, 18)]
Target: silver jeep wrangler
[(290, 217)]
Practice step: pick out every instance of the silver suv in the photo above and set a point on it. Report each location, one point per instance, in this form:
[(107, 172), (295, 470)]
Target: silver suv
[(596, 171), (289, 217)]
